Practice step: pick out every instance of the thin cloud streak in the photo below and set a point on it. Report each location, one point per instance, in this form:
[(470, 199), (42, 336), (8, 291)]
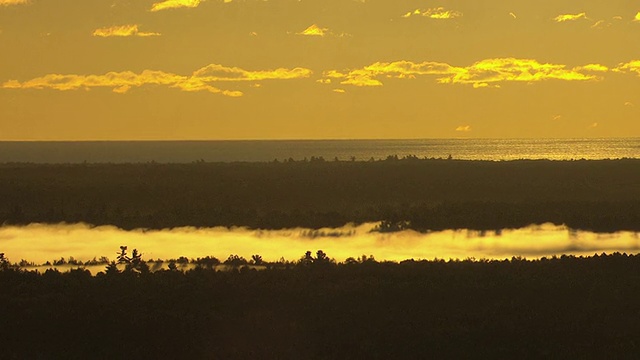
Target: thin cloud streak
[(439, 13), (314, 30), (175, 4), (484, 73), (40, 243), (570, 17), (122, 82), (13, 2), (122, 31)]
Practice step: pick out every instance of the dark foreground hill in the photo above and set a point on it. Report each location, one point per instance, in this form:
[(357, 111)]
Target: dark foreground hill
[(602, 195), (552, 308)]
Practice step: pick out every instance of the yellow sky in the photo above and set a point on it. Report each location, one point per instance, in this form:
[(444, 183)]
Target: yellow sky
[(313, 69)]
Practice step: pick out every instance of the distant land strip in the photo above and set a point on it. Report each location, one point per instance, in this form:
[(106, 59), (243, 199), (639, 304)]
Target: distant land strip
[(419, 194)]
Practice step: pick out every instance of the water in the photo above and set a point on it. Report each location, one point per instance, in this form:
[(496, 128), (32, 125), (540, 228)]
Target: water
[(260, 151)]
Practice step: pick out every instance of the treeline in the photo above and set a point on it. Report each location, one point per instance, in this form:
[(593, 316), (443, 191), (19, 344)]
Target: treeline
[(423, 194), (565, 307)]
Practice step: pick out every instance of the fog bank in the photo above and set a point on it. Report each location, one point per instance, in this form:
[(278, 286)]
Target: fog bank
[(40, 243)]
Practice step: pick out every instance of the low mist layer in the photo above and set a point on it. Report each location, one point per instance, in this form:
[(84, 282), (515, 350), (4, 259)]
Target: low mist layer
[(40, 243)]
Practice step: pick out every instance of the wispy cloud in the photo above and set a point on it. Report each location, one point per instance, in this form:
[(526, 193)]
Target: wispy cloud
[(637, 17), (463, 128), (122, 31), (314, 30), (215, 72), (631, 66), (592, 68), (434, 13), (488, 72), (13, 2), (174, 4), (121, 82), (600, 24), (570, 17)]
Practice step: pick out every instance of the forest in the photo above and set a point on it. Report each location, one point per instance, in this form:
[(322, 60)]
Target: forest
[(315, 308), (421, 194)]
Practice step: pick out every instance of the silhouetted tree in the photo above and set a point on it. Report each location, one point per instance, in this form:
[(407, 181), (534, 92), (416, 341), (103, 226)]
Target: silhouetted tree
[(257, 259), (112, 268), (4, 262), (122, 256), (235, 261), (172, 266), (136, 263)]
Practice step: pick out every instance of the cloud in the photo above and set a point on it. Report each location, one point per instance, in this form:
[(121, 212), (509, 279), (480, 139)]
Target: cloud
[(593, 125), (463, 128), (513, 15), (570, 17), (122, 82), (592, 68), (339, 91), (215, 72), (121, 31), (600, 24), (174, 4), (631, 66), (637, 17), (439, 13), (314, 30), (13, 2), (485, 73)]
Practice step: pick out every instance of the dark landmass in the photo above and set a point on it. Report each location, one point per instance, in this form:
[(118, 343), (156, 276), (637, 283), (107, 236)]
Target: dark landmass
[(597, 195), (564, 307)]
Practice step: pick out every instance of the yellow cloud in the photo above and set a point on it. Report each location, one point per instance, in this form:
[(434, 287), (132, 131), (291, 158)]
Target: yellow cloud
[(122, 82), (592, 68), (637, 18), (314, 30), (174, 4), (121, 31), (631, 66), (13, 2), (215, 72), (463, 128), (570, 17), (434, 13), (485, 73), (339, 91), (600, 24)]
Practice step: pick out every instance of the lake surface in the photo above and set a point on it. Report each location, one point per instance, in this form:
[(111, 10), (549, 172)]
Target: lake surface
[(40, 243), (260, 151)]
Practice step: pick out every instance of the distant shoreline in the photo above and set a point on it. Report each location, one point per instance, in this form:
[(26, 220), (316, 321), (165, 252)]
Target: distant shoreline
[(344, 150)]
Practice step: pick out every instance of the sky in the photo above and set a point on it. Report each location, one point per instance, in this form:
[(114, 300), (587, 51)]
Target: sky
[(318, 69)]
